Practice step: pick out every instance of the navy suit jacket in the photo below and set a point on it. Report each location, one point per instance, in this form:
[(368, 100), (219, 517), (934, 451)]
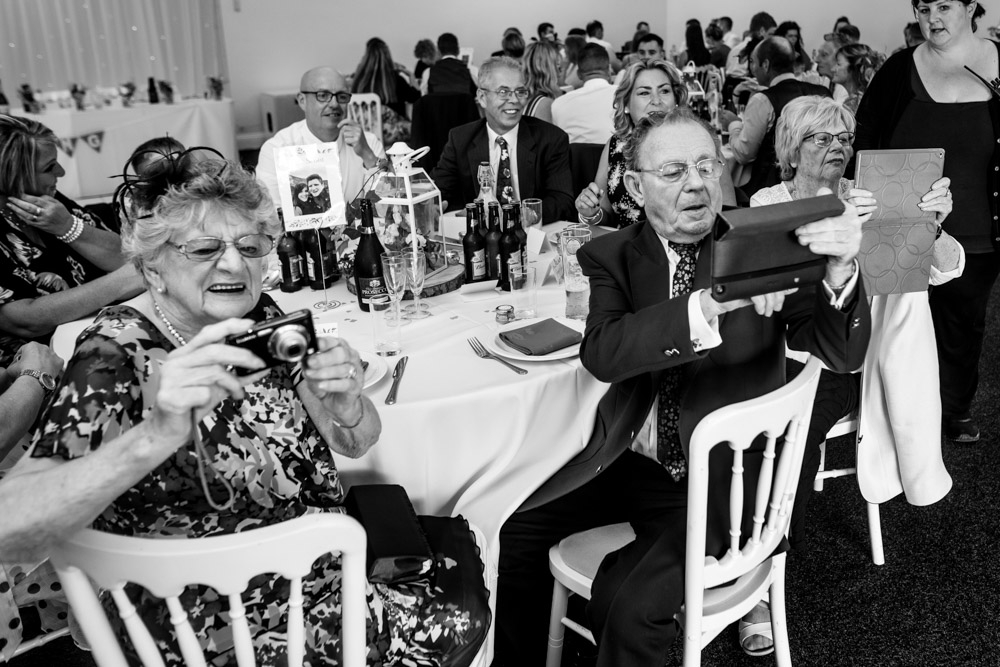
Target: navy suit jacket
[(542, 166), (636, 330)]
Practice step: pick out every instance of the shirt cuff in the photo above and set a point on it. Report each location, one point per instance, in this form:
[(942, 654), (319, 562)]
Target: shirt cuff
[(838, 300), (938, 277), (704, 334)]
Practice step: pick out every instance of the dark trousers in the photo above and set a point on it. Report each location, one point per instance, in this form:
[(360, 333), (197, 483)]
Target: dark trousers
[(958, 309), (638, 589), (632, 626)]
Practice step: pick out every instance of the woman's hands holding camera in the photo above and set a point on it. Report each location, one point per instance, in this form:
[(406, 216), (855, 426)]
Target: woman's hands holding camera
[(334, 375), (196, 377)]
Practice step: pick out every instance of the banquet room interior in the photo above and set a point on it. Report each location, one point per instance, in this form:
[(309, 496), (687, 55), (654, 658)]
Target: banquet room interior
[(464, 429)]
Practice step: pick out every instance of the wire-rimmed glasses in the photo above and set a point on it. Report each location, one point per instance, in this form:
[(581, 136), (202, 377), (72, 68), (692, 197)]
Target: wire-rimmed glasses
[(416, 271)]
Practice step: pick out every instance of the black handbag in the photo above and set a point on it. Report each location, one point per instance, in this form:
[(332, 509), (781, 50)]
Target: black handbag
[(398, 551), (755, 250)]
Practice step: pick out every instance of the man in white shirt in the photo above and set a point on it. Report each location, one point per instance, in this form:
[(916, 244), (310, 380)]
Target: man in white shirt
[(595, 35), (324, 96), (761, 25), (586, 113)]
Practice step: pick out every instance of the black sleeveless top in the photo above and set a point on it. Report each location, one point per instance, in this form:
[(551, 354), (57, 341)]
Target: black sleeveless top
[(959, 128)]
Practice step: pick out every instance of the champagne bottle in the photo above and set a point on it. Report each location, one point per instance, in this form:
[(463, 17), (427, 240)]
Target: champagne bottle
[(368, 277), (319, 263), (510, 248), (493, 243), (290, 257), (474, 247), (154, 94)]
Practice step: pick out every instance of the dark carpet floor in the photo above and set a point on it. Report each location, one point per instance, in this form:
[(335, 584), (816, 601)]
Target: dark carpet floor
[(933, 604)]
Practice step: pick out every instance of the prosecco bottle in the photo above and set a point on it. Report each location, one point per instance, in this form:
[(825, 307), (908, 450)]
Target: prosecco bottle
[(474, 247), (368, 277)]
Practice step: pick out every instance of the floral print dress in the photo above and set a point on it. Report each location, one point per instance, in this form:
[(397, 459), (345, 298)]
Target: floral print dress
[(29, 269), (622, 203), (269, 450)]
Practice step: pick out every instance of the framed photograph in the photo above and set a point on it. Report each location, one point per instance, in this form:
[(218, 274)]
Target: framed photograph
[(309, 186)]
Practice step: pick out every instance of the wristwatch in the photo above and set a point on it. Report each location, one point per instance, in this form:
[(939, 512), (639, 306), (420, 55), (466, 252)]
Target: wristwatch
[(47, 381)]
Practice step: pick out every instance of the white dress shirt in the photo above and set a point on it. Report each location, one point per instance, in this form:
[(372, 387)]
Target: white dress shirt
[(586, 114)]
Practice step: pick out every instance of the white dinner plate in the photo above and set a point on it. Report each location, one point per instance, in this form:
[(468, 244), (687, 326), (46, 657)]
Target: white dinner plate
[(497, 346), (377, 368)]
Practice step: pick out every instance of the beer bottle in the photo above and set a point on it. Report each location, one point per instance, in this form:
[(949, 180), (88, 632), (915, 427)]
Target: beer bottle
[(290, 257), (319, 264), (154, 94), (474, 247), (510, 248), (368, 279), (493, 243), (522, 236), (481, 219)]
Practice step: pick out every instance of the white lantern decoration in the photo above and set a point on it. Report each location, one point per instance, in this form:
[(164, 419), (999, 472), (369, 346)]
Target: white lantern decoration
[(408, 196)]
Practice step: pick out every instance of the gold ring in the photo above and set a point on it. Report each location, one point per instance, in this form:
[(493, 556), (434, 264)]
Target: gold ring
[(352, 373), (38, 211)]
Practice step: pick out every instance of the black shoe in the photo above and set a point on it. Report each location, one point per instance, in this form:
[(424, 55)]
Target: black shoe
[(962, 430)]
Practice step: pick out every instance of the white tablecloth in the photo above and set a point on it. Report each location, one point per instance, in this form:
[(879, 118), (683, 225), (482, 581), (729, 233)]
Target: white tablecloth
[(192, 122)]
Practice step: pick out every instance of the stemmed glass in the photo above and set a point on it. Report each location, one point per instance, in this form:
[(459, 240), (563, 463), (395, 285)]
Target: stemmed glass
[(416, 270), (394, 273)]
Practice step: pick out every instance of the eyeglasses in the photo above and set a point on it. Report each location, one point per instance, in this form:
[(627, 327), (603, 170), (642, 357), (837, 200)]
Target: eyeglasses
[(824, 139), (208, 248), (675, 172), (324, 96), (505, 93)]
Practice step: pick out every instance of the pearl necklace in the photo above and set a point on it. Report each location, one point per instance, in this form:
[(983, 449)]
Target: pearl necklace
[(170, 327)]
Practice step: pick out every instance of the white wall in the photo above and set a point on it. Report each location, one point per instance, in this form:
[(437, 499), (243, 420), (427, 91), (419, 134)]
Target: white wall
[(269, 43), (880, 21)]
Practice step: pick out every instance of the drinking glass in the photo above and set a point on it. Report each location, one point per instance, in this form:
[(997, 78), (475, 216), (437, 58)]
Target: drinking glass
[(416, 270), (531, 213), (394, 274), (523, 290), (577, 285)]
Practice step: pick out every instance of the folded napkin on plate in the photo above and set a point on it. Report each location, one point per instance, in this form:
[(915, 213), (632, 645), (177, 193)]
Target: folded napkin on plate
[(541, 337)]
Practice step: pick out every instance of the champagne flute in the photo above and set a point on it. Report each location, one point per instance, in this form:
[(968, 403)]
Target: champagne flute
[(416, 270), (394, 273)]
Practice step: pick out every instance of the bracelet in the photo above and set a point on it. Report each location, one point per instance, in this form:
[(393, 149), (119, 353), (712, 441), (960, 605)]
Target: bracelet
[(354, 425), (74, 231), (597, 217)]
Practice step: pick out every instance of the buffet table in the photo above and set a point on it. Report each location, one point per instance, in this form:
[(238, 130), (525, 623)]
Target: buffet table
[(105, 138)]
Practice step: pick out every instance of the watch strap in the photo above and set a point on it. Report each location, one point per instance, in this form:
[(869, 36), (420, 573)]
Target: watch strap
[(40, 376)]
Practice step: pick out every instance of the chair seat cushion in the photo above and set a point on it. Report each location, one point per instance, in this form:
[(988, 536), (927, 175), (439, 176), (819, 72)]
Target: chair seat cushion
[(583, 552)]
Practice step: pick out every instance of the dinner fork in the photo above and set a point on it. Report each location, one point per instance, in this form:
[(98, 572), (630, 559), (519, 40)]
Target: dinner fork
[(483, 353)]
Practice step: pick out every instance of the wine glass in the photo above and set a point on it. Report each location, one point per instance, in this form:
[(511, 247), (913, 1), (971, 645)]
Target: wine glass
[(394, 273), (416, 270)]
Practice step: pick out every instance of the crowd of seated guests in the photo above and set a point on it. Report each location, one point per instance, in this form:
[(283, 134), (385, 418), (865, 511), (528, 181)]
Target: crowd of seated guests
[(804, 120)]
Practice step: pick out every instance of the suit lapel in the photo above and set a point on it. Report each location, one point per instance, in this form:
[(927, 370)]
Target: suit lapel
[(479, 151), (526, 148), (649, 269)]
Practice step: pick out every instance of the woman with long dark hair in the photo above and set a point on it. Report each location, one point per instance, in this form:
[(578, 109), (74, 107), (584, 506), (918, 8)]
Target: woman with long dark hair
[(695, 50), (377, 73)]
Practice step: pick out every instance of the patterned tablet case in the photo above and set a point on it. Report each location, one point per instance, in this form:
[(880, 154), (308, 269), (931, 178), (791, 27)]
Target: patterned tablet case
[(896, 243)]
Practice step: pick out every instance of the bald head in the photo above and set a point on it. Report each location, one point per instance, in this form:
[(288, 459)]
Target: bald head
[(772, 57), (323, 118)]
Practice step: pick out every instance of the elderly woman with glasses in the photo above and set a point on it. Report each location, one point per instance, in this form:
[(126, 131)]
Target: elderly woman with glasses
[(58, 263), (160, 427), (901, 406), (645, 88)]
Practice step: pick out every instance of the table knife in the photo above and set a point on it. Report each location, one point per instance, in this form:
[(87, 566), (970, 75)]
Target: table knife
[(397, 375)]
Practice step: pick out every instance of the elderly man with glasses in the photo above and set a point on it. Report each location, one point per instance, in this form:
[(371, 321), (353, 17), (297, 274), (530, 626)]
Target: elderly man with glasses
[(529, 157), (324, 96), (672, 354)]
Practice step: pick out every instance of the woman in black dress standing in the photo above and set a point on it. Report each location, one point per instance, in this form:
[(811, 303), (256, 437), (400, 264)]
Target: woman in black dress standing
[(936, 95)]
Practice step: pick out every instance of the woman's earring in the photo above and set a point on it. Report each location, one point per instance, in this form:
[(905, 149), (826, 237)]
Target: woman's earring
[(160, 290)]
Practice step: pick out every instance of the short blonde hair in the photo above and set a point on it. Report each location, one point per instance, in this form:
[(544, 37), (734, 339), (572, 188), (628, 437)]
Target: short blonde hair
[(802, 117), (625, 123), (214, 186)]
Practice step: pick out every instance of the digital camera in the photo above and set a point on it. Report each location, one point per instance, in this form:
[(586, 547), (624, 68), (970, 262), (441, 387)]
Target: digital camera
[(281, 340)]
